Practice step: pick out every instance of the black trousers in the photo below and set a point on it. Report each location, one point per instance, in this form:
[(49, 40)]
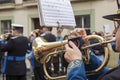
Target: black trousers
[(16, 77), (113, 74), (39, 73)]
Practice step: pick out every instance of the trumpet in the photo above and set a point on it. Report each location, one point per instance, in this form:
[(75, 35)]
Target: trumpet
[(44, 50)]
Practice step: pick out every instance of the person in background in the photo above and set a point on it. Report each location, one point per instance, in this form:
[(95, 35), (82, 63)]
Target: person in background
[(66, 37), (59, 34), (16, 49), (101, 33), (98, 50), (93, 32), (2, 42), (49, 37), (46, 30), (53, 66), (36, 67), (4, 39), (65, 63), (57, 58)]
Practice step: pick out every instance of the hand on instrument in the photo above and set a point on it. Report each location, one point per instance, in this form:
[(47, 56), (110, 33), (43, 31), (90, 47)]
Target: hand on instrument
[(72, 52), (79, 32)]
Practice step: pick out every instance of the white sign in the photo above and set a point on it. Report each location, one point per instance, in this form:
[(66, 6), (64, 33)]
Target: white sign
[(54, 13), (106, 29)]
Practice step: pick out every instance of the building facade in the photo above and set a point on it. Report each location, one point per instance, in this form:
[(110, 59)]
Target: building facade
[(88, 14)]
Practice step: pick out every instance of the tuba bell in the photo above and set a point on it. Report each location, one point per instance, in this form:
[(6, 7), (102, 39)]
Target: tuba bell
[(44, 50)]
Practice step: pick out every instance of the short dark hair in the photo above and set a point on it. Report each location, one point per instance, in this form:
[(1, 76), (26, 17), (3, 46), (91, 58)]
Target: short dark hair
[(49, 37), (49, 28)]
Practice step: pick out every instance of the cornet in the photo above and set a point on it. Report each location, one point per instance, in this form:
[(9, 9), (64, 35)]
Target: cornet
[(44, 50)]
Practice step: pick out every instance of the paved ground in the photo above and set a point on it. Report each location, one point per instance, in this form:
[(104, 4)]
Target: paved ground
[(28, 76)]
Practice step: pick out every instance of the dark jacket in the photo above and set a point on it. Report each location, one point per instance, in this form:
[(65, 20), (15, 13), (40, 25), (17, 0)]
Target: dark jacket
[(16, 47), (112, 74)]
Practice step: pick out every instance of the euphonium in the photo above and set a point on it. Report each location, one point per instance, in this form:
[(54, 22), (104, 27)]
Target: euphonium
[(41, 47), (42, 50)]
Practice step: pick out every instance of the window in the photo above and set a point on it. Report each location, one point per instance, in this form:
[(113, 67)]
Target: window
[(6, 1), (36, 23), (83, 21), (5, 26)]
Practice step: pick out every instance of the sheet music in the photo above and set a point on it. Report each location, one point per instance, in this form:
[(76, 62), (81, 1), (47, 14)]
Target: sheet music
[(53, 12)]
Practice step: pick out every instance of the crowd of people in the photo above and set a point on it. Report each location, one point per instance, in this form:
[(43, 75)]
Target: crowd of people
[(15, 46)]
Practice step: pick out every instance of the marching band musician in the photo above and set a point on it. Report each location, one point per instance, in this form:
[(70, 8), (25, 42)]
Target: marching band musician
[(76, 67), (4, 39), (113, 74), (16, 48), (2, 42), (36, 67)]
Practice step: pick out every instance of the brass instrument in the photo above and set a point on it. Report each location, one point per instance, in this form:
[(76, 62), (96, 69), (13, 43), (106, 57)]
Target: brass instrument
[(43, 50), (2, 36), (5, 36)]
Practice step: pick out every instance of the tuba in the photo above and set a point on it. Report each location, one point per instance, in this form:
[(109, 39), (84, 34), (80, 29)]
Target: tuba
[(44, 50)]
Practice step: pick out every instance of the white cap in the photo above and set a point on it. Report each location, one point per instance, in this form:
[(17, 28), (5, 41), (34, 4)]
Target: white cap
[(16, 25)]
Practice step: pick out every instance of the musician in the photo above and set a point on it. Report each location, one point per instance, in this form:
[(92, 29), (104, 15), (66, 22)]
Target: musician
[(45, 30), (16, 48), (113, 74), (53, 64), (76, 67), (2, 42), (4, 39), (49, 37), (36, 67)]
